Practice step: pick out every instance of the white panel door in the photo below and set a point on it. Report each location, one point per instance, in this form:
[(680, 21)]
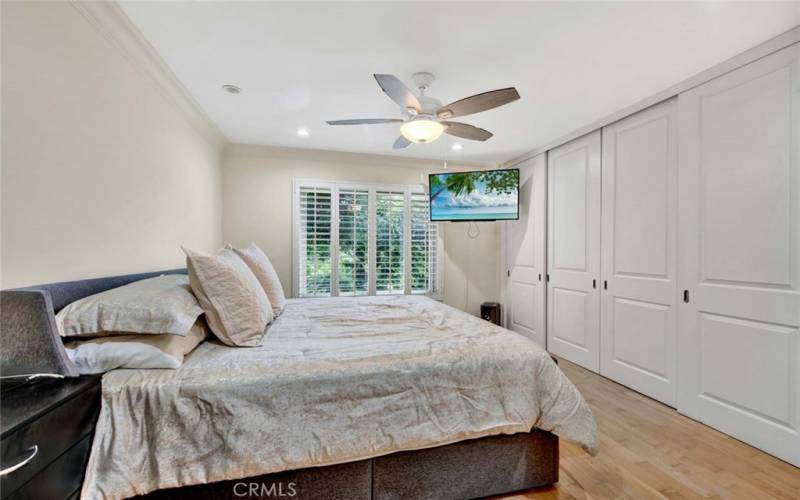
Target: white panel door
[(638, 317), (573, 250), (525, 253), (739, 254)]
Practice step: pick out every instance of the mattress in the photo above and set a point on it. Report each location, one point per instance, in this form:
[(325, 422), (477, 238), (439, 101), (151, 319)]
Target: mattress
[(335, 380)]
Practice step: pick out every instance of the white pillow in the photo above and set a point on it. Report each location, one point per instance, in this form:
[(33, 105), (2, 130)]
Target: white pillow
[(259, 263), (134, 351), (236, 307), (164, 304)]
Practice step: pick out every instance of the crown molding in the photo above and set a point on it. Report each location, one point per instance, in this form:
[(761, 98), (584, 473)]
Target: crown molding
[(109, 19)]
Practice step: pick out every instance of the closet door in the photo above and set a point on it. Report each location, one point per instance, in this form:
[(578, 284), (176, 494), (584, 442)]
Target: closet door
[(525, 253), (638, 317), (573, 252), (739, 220)]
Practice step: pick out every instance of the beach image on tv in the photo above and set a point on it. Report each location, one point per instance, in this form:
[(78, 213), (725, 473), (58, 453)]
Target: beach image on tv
[(489, 195)]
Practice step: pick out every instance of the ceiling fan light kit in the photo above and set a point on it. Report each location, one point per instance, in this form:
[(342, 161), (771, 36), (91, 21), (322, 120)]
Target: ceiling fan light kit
[(423, 116), (421, 129)]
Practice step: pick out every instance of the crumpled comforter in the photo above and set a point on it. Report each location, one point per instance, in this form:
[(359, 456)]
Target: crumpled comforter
[(335, 380)]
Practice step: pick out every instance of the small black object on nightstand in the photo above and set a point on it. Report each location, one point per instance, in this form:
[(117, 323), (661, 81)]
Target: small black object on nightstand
[(47, 430)]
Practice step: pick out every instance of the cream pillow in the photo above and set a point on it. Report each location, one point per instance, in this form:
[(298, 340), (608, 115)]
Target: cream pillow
[(164, 304), (134, 351), (259, 263), (236, 307)]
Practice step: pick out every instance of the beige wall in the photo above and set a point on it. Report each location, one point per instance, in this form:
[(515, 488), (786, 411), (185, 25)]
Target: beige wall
[(257, 187), (102, 173), (472, 266)]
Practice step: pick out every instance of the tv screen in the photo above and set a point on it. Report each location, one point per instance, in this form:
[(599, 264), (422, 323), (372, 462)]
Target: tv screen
[(474, 196)]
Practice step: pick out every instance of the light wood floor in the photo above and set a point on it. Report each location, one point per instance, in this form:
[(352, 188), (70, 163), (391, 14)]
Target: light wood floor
[(648, 450)]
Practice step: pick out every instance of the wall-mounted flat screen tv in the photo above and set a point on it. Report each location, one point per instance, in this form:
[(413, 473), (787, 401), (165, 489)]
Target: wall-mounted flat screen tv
[(475, 196)]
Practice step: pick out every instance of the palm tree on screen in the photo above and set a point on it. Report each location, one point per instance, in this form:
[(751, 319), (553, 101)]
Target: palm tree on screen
[(461, 183)]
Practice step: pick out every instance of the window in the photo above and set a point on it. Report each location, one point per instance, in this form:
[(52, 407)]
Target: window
[(356, 239), (389, 237), (424, 245), (353, 269), (315, 240)]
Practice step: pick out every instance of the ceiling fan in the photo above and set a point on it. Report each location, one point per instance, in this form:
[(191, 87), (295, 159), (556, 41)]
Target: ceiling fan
[(424, 117)]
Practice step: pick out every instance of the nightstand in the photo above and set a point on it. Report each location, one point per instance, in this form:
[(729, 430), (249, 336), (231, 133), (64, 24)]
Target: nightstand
[(47, 430)]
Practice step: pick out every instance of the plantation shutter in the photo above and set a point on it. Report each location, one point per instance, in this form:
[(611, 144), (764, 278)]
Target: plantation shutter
[(314, 245), (353, 255), (389, 236), (362, 239), (424, 246)]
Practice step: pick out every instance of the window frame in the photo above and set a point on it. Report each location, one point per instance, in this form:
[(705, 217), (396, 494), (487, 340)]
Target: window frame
[(372, 188)]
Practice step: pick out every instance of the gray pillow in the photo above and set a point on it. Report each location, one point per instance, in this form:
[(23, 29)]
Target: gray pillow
[(160, 305)]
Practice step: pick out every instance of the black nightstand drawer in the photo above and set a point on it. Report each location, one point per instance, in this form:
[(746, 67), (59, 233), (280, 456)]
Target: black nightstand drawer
[(61, 479), (54, 433)]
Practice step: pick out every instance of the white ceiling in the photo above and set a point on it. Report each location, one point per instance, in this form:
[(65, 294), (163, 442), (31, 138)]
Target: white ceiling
[(301, 63)]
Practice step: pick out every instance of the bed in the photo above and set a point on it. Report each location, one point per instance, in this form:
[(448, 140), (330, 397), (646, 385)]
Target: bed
[(365, 397)]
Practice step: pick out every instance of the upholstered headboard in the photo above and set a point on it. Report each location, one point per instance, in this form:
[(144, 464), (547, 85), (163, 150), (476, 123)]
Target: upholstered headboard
[(29, 340)]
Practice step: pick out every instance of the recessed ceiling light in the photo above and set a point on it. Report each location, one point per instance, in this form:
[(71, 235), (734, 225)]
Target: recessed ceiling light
[(457, 147), (232, 89), (301, 131)]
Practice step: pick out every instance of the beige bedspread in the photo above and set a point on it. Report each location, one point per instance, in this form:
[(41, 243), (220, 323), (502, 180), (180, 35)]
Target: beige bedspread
[(335, 380)]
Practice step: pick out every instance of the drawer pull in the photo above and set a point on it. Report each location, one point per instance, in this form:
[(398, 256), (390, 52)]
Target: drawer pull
[(8, 470), (32, 376)]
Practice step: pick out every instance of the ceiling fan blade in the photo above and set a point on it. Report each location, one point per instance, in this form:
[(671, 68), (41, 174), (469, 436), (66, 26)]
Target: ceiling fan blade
[(466, 131), (365, 121), (478, 103), (401, 143), (398, 92)]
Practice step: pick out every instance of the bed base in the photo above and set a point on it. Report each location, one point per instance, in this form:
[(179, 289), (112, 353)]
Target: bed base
[(468, 469)]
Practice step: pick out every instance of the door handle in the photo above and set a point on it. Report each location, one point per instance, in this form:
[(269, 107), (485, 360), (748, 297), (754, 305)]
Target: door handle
[(594, 283), (540, 276), (686, 296), (605, 284)]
